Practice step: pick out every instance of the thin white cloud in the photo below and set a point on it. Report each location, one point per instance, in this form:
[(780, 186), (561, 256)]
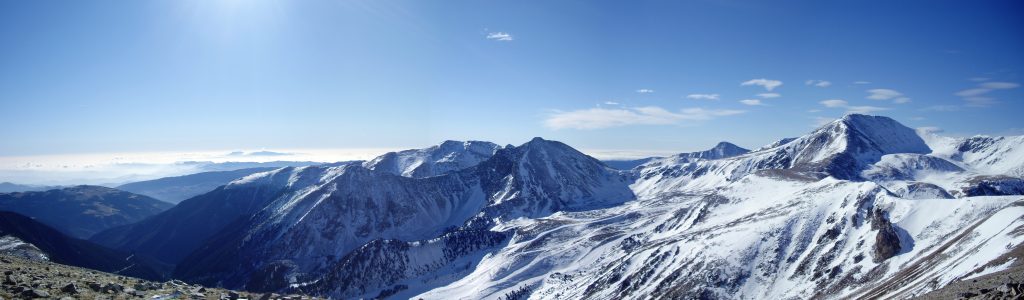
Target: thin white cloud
[(768, 84), (702, 96), (861, 82), (942, 108), (598, 118), (864, 109), (500, 36), (975, 97), (978, 79), (834, 103), (645, 91), (883, 94), (751, 101), (980, 101), (821, 121), (901, 100), (930, 129), (611, 103), (769, 95), (839, 103), (999, 85), (973, 92), (817, 83)]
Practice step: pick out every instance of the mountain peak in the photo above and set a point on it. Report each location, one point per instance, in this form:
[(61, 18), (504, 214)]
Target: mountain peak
[(446, 157), (541, 144), (721, 150), (886, 134), (727, 146)]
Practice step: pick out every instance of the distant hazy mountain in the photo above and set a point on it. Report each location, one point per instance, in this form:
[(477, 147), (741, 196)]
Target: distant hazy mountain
[(206, 166), (720, 150), (7, 187), (25, 235), (627, 164), (178, 188), (82, 211)]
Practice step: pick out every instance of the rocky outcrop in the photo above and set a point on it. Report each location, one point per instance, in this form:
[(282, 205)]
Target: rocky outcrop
[(887, 241)]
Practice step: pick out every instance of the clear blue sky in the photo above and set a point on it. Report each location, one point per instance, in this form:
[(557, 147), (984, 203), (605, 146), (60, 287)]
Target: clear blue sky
[(122, 76)]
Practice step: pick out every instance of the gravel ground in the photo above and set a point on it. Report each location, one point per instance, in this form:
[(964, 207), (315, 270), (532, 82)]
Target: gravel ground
[(1006, 284), (33, 279)]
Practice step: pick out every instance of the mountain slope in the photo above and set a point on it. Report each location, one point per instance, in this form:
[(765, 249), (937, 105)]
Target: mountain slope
[(305, 233), (82, 211), (177, 189), (759, 237), (984, 155), (173, 234), (60, 248)]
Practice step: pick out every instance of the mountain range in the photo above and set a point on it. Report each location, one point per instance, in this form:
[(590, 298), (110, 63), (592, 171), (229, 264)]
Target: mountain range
[(82, 211), (862, 207)]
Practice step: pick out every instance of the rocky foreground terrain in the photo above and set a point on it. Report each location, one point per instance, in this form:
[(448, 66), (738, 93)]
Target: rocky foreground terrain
[(1006, 284), (34, 279)]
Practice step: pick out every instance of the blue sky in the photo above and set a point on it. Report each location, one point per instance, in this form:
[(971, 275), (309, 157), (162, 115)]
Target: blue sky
[(197, 75)]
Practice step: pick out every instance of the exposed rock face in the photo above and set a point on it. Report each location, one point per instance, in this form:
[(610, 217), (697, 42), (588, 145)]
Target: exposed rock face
[(993, 186), (887, 241)]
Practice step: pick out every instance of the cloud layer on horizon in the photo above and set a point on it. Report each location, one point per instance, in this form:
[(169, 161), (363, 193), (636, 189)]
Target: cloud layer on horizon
[(598, 118)]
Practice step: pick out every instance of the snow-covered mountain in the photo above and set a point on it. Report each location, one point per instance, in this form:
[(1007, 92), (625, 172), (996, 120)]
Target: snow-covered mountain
[(841, 149), (860, 207), (325, 213), (447, 157)]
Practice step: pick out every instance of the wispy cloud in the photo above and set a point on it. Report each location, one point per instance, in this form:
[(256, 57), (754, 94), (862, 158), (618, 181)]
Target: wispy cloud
[(259, 153), (840, 103), (887, 94), (702, 96), (751, 101), (930, 129), (645, 91), (768, 84), (500, 36), (976, 97), (834, 103), (883, 94), (821, 121), (864, 109), (1000, 85), (817, 83), (942, 108), (978, 79), (861, 82), (611, 103), (769, 95), (598, 118)]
